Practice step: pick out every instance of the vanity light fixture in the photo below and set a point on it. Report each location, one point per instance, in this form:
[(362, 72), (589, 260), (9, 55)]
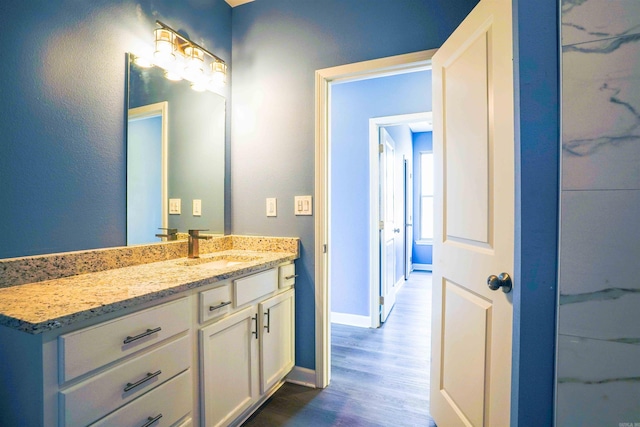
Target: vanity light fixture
[(183, 59)]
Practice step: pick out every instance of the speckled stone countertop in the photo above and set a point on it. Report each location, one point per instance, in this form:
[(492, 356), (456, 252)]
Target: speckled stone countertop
[(50, 304)]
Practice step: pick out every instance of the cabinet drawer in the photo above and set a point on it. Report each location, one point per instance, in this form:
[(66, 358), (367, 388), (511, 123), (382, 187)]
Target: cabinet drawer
[(215, 303), (287, 275), (101, 394), (171, 402), (253, 287), (88, 349)]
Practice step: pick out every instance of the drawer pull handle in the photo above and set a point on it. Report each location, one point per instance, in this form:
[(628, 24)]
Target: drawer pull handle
[(131, 386), (293, 276), (152, 420), (142, 335), (215, 307), (256, 331), (268, 325)]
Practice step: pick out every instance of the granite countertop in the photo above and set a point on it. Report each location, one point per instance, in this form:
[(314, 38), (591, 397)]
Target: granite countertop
[(43, 306)]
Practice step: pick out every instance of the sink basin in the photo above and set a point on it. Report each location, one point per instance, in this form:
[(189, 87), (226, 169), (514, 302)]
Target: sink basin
[(223, 261)]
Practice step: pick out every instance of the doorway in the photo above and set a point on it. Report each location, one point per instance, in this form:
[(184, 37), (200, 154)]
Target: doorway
[(147, 172), (324, 80)]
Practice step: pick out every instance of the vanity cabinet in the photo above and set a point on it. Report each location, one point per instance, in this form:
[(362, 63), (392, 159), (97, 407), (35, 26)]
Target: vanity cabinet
[(207, 356), (125, 359), (246, 354)]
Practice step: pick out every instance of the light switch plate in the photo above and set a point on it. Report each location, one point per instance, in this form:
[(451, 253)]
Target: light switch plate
[(303, 205), (197, 207), (272, 206), (174, 207)]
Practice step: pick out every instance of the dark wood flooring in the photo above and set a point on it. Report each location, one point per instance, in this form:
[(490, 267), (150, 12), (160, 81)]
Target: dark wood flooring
[(380, 377)]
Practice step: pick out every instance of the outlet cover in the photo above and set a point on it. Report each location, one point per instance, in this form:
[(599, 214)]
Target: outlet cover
[(272, 206), (303, 205), (197, 207), (174, 207)]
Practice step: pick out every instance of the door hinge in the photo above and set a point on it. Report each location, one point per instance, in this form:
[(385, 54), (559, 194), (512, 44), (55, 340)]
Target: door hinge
[(324, 248), (381, 300), (381, 225), (381, 148)]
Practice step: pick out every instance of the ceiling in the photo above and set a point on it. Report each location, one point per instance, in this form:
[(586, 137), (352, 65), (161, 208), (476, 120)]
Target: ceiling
[(234, 3), (423, 126)]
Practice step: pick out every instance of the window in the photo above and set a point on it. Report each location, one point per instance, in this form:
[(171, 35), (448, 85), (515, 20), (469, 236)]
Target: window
[(426, 196)]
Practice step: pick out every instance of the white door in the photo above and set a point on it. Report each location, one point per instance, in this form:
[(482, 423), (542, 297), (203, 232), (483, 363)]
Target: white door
[(390, 228), (474, 220), (408, 218)]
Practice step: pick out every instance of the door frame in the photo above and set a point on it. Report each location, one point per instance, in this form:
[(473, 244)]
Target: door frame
[(323, 79), (375, 124)]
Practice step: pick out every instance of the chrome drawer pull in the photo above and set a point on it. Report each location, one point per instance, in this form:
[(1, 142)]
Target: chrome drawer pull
[(152, 420), (142, 335), (131, 386), (293, 276), (215, 307)]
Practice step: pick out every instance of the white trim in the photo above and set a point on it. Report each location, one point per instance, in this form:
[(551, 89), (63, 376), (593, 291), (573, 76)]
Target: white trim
[(422, 267), (351, 319), (302, 376), (424, 242), (395, 64)]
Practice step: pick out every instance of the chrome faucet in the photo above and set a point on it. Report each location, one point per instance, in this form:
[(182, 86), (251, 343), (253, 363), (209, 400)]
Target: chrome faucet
[(194, 245), (171, 233)]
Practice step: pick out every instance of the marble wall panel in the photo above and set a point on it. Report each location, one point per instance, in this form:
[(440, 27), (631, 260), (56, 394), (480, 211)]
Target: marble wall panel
[(589, 20), (598, 374), (598, 383), (599, 241), (601, 115)]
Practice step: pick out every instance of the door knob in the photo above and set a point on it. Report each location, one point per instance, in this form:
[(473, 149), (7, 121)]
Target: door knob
[(503, 280)]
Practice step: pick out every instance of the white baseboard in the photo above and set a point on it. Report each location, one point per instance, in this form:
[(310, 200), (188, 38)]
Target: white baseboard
[(423, 267), (351, 319), (302, 376)]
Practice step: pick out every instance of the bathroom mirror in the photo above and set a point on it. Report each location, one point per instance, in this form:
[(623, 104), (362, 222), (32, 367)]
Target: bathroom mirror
[(175, 156)]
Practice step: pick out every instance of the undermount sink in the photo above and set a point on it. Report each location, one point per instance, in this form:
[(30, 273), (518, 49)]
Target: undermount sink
[(222, 261)]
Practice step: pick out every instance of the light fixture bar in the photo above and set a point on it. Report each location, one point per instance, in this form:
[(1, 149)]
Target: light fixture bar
[(185, 42)]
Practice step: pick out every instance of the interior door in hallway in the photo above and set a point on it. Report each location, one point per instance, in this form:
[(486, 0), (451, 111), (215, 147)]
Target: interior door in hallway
[(474, 220), (390, 225)]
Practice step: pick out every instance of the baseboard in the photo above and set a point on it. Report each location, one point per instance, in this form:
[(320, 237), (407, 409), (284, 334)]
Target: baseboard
[(423, 267), (302, 376), (351, 319)]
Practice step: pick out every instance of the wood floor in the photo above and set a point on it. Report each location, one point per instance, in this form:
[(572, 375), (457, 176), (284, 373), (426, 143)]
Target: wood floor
[(380, 377)]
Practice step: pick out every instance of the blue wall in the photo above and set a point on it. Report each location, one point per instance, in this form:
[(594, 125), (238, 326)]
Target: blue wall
[(537, 113), (352, 105), (62, 131), (422, 253), (62, 115), (277, 46)]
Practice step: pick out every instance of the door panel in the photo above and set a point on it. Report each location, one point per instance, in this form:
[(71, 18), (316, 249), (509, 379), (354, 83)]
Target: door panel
[(467, 143), (474, 171)]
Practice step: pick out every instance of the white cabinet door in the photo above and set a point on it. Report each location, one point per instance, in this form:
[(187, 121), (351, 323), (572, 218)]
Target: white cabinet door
[(229, 365), (277, 347)]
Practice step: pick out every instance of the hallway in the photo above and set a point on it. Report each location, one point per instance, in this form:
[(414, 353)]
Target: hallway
[(380, 377)]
